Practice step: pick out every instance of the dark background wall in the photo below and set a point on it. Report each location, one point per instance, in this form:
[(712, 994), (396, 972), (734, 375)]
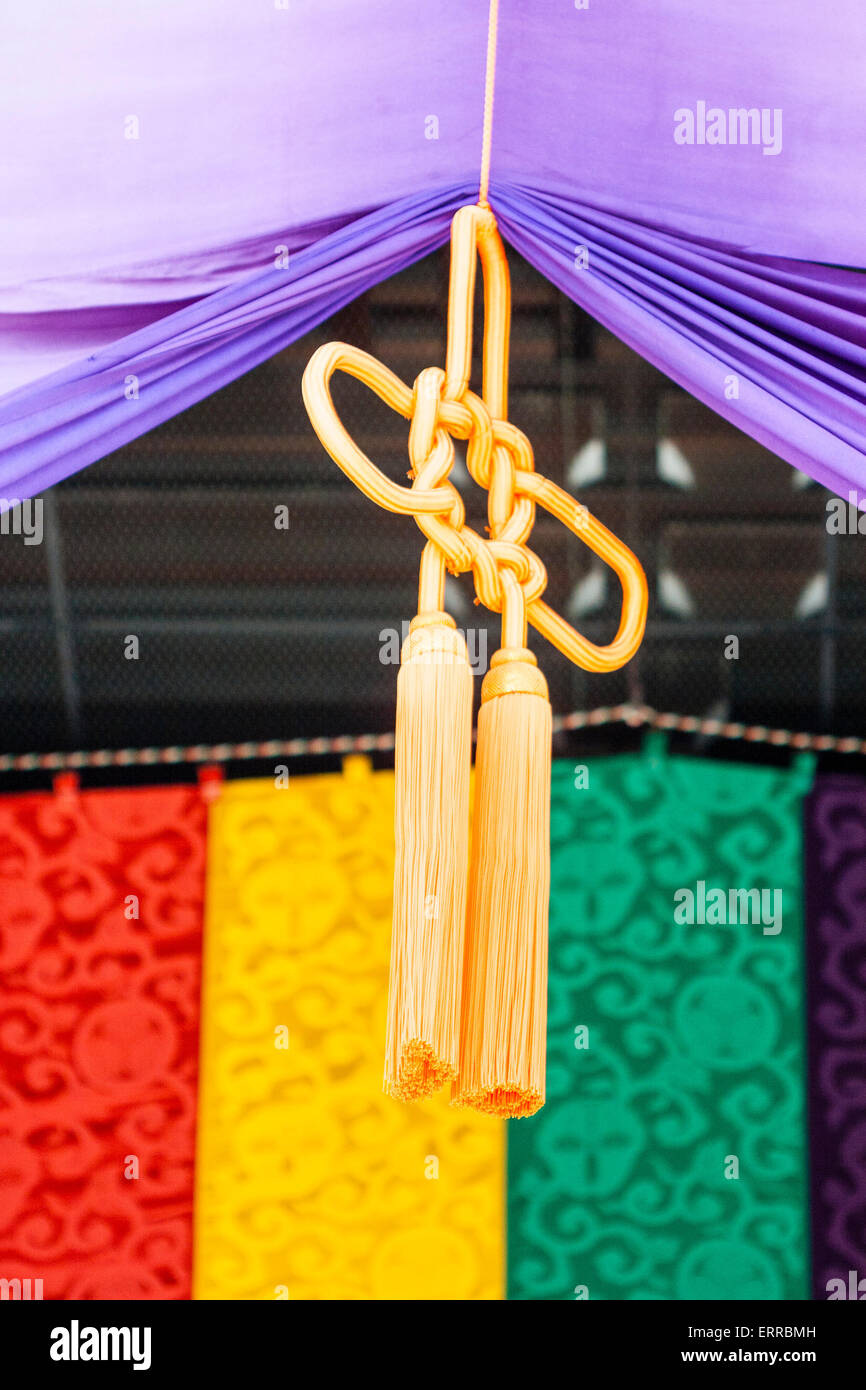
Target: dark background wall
[(247, 631)]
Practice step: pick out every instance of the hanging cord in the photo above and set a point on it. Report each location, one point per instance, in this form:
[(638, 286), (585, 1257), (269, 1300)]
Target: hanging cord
[(636, 716), (489, 83)]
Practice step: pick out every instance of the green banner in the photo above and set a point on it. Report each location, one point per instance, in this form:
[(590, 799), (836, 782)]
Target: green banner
[(669, 1161)]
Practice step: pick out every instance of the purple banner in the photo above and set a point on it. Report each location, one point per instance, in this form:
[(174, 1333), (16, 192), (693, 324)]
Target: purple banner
[(835, 854)]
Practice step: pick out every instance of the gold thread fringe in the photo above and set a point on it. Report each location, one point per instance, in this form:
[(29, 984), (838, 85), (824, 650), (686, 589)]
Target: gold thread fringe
[(504, 1013), (431, 818)]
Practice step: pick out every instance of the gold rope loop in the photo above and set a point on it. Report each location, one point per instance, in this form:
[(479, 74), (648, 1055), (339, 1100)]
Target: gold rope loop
[(500, 499), (335, 438), (425, 415)]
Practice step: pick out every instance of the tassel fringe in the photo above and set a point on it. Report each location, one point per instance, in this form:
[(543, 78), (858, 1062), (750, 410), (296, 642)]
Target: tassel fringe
[(504, 1013), (431, 818)]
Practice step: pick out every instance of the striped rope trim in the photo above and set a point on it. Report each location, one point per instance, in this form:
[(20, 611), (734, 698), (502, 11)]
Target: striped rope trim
[(634, 715)]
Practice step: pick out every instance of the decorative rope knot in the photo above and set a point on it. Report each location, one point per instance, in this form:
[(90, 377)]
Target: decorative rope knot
[(441, 407), (494, 447)]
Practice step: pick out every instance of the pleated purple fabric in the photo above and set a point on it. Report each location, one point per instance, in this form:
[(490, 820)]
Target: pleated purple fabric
[(189, 188)]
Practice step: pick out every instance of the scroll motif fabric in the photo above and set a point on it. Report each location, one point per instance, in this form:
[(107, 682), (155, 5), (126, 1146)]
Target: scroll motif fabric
[(669, 1160), (311, 1184), (836, 936), (99, 994)]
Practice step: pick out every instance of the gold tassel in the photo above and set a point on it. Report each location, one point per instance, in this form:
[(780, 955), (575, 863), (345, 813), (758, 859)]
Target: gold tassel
[(431, 818), (504, 1014), (491, 1041)]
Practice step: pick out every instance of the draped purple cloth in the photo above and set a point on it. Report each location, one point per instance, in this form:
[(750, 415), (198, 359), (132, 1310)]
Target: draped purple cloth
[(162, 161), (835, 852)]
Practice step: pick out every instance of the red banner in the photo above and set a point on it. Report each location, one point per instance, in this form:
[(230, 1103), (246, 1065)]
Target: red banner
[(101, 896)]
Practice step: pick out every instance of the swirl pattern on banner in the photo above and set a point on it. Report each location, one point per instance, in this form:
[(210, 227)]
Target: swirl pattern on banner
[(312, 1184), (668, 1162), (100, 936), (836, 917)]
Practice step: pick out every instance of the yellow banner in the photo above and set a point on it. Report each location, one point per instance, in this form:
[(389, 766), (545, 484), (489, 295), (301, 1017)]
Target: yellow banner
[(310, 1183)]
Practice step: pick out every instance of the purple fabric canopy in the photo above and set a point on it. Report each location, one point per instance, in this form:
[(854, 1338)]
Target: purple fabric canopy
[(673, 172)]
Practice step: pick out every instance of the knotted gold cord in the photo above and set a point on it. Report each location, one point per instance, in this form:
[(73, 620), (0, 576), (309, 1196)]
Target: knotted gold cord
[(509, 578)]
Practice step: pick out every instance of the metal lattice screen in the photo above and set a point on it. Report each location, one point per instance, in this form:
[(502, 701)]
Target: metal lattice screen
[(250, 629)]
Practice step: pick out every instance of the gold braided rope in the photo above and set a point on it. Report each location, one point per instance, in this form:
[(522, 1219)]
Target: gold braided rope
[(509, 578)]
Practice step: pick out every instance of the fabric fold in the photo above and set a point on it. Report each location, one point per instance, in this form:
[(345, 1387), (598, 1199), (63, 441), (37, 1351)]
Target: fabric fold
[(791, 338)]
